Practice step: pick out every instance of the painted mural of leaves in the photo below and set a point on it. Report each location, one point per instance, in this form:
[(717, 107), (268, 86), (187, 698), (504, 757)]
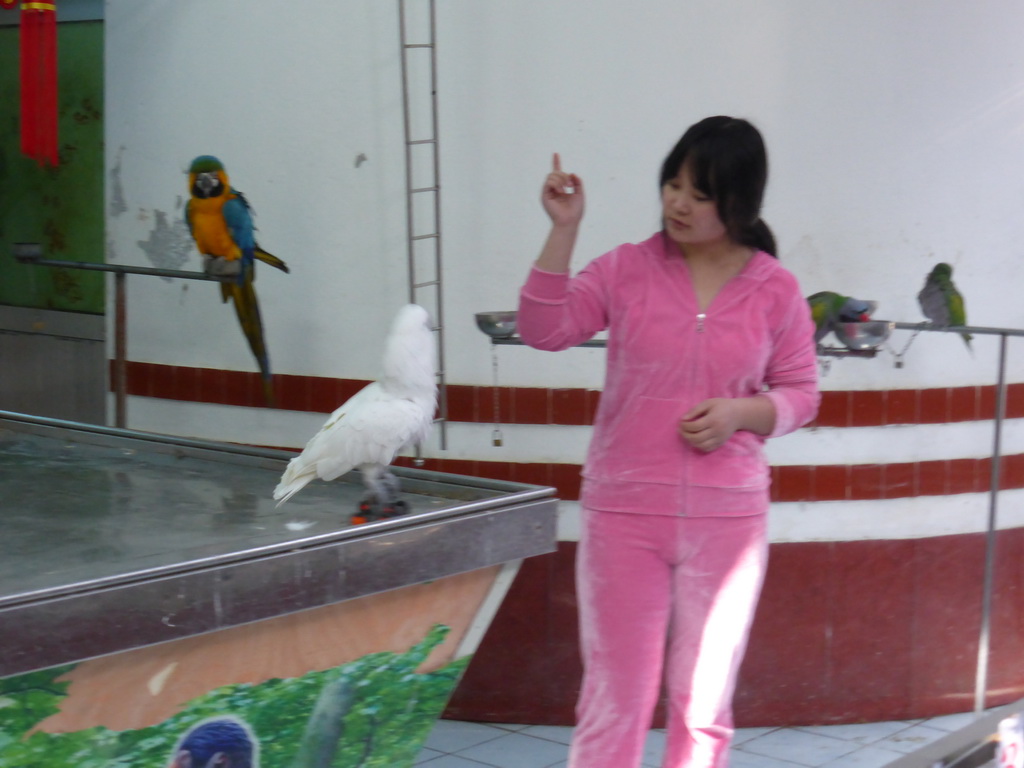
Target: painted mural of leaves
[(26, 700), (374, 712)]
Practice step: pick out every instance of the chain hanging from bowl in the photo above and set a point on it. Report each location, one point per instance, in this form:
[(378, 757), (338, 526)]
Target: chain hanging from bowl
[(898, 356), (497, 439), (497, 325)]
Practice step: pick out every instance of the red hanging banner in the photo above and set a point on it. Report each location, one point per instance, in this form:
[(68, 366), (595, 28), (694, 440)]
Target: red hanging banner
[(39, 81)]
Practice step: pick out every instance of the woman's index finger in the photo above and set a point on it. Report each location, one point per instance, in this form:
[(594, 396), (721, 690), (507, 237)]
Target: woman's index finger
[(556, 163)]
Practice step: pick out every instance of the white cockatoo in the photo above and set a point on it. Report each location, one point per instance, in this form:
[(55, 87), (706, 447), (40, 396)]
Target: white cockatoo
[(373, 425)]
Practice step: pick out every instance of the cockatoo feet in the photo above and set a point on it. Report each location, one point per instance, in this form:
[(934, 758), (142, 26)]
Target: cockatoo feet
[(395, 509), (370, 510)]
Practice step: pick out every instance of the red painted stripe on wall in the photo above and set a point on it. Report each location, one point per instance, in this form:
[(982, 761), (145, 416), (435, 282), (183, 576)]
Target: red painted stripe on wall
[(839, 482), (524, 405), (535, 405)]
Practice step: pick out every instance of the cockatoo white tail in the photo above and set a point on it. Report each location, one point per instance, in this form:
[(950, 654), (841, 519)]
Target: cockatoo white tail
[(377, 422)]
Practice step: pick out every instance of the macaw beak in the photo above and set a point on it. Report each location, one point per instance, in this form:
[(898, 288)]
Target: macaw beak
[(205, 184)]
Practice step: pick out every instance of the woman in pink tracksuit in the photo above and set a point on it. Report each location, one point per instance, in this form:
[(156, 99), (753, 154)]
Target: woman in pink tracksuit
[(710, 351)]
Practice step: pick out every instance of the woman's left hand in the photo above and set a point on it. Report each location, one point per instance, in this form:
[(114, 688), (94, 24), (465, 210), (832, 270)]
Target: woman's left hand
[(708, 425)]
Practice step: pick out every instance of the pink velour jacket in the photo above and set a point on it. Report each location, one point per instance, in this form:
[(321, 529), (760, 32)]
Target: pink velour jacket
[(664, 357)]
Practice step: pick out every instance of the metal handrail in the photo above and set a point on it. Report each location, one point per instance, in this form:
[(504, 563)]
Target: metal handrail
[(895, 324), (979, 329)]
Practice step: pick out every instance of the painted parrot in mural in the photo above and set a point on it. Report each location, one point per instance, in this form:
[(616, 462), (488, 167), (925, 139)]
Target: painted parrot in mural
[(829, 308), (941, 302), (221, 743), (220, 220), (373, 425)]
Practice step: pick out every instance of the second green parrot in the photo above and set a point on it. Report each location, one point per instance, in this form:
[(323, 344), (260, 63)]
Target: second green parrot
[(941, 302), (220, 221)]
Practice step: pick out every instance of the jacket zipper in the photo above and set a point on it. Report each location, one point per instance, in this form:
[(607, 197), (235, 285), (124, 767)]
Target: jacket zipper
[(685, 495)]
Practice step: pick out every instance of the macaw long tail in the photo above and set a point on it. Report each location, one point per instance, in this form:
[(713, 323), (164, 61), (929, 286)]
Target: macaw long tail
[(269, 258), (248, 310)]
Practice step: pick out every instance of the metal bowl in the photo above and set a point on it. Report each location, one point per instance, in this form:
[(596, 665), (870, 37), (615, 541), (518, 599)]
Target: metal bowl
[(497, 325), (867, 335)]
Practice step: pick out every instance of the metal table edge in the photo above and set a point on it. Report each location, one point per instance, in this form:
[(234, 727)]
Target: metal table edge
[(107, 619)]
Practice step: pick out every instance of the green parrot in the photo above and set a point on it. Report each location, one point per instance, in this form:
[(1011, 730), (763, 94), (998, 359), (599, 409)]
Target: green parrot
[(941, 302), (829, 308), (220, 221)]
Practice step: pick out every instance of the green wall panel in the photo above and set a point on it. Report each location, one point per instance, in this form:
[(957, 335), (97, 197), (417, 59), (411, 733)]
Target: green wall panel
[(61, 207)]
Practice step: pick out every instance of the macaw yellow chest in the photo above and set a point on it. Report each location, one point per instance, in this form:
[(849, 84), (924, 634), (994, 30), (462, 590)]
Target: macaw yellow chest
[(210, 231)]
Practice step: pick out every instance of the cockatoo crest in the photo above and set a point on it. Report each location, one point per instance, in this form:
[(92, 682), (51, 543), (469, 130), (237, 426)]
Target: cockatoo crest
[(409, 355)]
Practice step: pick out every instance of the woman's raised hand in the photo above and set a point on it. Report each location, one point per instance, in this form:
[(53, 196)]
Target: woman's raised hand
[(562, 196)]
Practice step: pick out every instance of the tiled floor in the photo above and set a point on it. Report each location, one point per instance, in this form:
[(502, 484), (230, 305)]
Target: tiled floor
[(455, 744)]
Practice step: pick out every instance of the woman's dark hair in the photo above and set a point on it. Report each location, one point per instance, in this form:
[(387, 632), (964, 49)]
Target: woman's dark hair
[(727, 158)]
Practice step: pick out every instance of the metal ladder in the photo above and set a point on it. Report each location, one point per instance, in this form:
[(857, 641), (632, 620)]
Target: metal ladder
[(422, 177)]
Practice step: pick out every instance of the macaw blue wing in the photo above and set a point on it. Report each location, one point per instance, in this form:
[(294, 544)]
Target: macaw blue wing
[(239, 223), (239, 220)]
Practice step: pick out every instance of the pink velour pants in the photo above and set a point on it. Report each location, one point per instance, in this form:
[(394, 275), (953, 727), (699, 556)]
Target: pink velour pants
[(663, 597)]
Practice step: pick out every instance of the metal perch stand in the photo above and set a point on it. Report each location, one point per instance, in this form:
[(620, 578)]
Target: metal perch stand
[(31, 253), (502, 331), (984, 637)]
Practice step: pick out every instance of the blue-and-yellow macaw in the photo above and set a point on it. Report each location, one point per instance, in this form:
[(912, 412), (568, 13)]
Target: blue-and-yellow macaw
[(221, 224)]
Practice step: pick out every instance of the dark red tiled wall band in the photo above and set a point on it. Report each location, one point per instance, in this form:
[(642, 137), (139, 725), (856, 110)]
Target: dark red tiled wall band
[(824, 482), (533, 405), (525, 405)]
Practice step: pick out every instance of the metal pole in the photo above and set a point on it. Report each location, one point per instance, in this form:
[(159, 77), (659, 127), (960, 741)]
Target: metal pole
[(403, 48), (128, 270), (431, 186), (984, 639), (120, 351), (439, 304)]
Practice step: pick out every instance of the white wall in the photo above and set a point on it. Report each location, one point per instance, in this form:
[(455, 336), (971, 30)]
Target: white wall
[(895, 133)]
